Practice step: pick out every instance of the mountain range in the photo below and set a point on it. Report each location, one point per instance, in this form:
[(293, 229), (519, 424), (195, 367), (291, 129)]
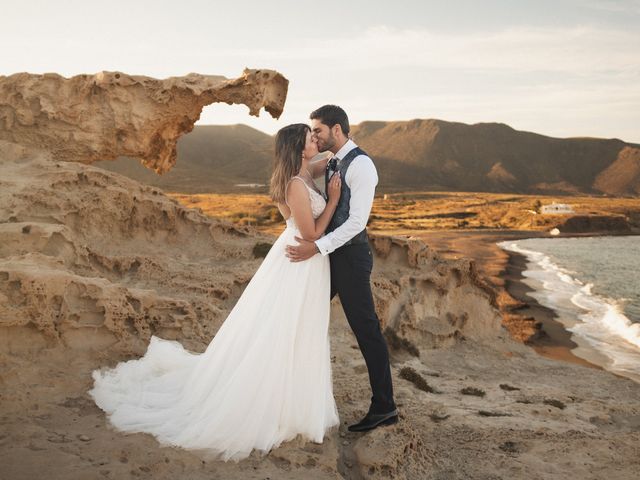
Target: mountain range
[(422, 154)]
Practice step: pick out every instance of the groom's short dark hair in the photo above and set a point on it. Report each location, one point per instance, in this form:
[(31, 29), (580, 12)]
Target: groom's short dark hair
[(330, 115)]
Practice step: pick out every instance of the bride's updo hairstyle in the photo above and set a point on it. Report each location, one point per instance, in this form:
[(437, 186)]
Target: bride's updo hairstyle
[(290, 143)]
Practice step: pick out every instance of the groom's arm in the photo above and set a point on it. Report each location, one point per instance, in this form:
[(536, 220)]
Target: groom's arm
[(362, 179)]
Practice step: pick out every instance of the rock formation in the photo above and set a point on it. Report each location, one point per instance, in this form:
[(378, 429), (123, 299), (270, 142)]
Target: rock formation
[(100, 117), (424, 301), (83, 249), (93, 263), (89, 259)]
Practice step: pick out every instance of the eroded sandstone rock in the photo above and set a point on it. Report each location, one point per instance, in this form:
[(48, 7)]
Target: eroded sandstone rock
[(425, 301), (87, 118), (90, 259)]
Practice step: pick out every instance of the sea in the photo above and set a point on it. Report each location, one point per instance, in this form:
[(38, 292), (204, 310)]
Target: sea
[(593, 285)]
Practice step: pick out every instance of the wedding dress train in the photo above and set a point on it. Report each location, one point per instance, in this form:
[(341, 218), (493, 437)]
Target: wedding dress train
[(264, 378)]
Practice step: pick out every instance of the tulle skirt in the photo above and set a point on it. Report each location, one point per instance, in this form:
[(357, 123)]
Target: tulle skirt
[(264, 378)]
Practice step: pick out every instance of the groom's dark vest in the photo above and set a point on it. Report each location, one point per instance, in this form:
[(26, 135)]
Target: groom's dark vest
[(342, 210)]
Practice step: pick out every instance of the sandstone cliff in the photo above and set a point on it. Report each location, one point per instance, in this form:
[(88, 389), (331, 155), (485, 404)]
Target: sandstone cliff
[(91, 259)]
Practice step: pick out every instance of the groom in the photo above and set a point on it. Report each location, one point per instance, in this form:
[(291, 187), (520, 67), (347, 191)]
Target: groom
[(347, 245)]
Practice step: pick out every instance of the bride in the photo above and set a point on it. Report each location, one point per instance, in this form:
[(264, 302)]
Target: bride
[(266, 375)]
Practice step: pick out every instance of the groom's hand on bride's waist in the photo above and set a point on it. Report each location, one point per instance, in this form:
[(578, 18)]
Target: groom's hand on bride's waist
[(304, 251)]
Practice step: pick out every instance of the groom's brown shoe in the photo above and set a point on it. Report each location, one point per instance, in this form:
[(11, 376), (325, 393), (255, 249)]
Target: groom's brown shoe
[(372, 420)]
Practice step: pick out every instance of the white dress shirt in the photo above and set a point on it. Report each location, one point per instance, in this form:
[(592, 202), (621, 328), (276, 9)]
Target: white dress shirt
[(361, 178)]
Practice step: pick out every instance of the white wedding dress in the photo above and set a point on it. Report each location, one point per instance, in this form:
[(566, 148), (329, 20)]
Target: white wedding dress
[(264, 378)]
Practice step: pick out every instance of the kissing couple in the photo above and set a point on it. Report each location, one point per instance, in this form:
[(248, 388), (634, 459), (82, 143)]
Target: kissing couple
[(266, 375)]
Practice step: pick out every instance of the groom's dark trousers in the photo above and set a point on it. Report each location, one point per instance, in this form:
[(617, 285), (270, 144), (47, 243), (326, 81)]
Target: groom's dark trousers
[(350, 278)]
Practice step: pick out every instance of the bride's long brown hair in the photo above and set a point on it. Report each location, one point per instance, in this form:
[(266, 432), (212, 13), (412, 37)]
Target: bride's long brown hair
[(290, 143)]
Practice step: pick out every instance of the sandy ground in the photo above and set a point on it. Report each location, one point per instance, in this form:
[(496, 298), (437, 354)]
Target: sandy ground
[(535, 418), (88, 275)]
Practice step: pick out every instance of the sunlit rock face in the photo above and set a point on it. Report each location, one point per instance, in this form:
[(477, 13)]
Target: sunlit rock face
[(87, 118)]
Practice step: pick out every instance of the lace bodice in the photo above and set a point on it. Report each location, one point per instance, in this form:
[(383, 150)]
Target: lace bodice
[(318, 204)]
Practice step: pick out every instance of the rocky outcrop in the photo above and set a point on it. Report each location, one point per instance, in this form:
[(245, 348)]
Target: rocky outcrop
[(399, 453), (424, 301), (85, 250), (90, 259), (87, 118), (92, 264)]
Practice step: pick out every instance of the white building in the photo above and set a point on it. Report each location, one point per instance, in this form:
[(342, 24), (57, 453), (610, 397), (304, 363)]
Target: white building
[(556, 208)]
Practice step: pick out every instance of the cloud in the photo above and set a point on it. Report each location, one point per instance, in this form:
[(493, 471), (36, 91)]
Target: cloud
[(580, 80), (522, 49), (617, 6)]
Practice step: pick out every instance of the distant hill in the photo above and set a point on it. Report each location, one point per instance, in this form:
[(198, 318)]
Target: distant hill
[(494, 157), (211, 158), (623, 175), (416, 154)]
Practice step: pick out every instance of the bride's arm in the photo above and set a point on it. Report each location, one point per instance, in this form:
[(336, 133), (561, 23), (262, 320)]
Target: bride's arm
[(298, 201)]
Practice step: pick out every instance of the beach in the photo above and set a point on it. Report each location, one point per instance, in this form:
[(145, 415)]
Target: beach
[(535, 324)]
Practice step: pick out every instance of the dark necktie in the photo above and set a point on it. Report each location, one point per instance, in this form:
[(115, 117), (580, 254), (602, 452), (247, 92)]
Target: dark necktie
[(332, 167)]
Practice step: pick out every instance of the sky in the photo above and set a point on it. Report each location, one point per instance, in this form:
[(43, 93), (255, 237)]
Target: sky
[(561, 68)]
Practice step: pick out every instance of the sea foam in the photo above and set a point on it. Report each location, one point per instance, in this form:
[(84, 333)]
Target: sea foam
[(599, 320)]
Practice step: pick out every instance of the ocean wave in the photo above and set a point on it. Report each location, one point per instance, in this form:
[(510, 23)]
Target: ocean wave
[(607, 314), (603, 323)]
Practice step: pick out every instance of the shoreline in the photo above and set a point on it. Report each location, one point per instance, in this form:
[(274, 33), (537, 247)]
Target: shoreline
[(554, 340), (523, 315)]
